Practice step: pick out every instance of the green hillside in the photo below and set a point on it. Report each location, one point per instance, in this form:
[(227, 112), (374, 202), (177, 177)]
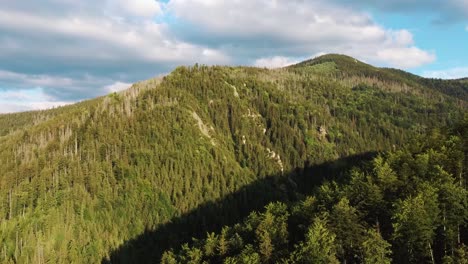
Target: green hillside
[(18, 122), (407, 206), (130, 175), (345, 67)]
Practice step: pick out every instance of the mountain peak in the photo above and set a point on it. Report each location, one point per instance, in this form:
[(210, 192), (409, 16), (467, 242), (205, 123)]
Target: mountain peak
[(340, 60)]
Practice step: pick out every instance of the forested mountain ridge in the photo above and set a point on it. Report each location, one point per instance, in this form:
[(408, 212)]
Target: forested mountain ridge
[(79, 181), (345, 66)]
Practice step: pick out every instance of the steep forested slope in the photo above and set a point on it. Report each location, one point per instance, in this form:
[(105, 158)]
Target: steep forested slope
[(409, 206), (78, 182)]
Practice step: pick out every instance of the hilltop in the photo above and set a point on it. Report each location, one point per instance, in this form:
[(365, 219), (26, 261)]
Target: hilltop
[(127, 176), (346, 66)]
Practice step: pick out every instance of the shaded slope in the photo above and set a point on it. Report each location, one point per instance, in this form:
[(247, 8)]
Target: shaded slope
[(231, 209), (406, 206)]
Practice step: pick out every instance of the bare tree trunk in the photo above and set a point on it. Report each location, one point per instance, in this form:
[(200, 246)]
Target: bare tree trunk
[(445, 234), (432, 253), (11, 206)]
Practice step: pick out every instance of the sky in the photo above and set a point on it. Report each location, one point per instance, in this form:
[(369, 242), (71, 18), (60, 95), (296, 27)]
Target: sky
[(56, 52)]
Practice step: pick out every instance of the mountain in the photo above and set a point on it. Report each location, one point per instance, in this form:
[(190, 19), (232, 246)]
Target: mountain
[(347, 66), (125, 177), (405, 206)]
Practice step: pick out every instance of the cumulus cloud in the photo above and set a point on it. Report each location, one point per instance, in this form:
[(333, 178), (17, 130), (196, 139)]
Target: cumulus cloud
[(26, 100), (117, 87), (405, 57), (57, 87), (294, 28), (453, 73), (275, 62), (105, 39), (139, 8), (6, 107)]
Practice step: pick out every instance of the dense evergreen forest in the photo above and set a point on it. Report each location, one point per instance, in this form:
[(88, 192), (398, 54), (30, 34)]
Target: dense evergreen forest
[(405, 206), (127, 177)]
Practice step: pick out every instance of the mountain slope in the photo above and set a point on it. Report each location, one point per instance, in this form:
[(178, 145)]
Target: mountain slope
[(408, 206), (10, 123), (345, 66), (88, 177)]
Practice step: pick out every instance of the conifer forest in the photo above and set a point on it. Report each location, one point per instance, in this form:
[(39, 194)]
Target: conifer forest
[(330, 160)]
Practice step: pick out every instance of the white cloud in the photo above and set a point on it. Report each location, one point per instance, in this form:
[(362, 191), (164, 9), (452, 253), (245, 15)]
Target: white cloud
[(56, 88), (35, 80), (466, 28), (40, 105), (402, 37), (37, 98), (454, 73), (117, 87), (405, 57), (6, 107), (275, 62), (106, 39), (295, 28), (137, 8), (26, 100)]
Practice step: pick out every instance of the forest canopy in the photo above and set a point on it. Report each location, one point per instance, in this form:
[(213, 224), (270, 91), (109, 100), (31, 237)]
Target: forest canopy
[(405, 206)]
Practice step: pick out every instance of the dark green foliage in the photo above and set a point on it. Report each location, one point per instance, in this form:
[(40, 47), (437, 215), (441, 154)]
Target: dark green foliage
[(80, 181), (417, 231), (319, 245), (455, 88)]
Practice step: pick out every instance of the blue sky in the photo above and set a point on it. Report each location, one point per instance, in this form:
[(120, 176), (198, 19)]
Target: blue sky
[(56, 52)]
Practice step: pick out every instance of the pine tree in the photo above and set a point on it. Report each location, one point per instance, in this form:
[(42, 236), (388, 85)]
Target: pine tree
[(375, 248), (320, 245)]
